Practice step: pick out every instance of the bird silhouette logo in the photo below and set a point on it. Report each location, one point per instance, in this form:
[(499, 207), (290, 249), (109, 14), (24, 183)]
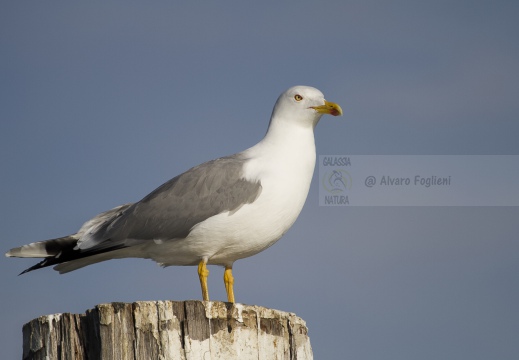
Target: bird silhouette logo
[(337, 181)]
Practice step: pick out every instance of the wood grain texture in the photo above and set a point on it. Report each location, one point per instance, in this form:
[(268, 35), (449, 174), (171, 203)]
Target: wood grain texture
[(164, 330)]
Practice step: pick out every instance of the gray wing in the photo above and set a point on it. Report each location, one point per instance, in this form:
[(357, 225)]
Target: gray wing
[(175, 207)]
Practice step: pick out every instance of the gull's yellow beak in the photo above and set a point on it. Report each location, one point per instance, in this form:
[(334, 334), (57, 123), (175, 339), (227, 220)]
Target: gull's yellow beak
[(328, 108)]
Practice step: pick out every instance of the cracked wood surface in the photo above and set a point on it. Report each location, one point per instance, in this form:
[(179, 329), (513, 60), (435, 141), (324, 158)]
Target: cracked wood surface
[(168, 330)]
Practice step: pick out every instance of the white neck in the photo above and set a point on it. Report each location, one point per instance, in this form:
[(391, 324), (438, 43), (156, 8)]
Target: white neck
[(286, 147)]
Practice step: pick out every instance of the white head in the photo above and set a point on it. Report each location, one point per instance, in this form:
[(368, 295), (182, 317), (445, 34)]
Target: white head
[(304, 105)]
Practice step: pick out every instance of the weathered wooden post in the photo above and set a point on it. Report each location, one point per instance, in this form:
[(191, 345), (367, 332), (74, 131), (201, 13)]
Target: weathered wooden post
[(168, 330)]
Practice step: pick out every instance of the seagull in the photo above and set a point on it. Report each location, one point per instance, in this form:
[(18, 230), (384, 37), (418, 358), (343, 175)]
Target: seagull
[(215, 213)]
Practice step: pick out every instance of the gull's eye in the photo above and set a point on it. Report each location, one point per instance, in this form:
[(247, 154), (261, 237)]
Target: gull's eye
[(298, 97)]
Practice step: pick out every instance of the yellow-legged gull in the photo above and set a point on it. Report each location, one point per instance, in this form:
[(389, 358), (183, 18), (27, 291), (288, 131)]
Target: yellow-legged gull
[(215, 213)]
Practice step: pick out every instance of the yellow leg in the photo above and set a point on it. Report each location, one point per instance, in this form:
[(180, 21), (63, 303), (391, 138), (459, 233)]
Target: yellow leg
[(229, 282), (203, 273)]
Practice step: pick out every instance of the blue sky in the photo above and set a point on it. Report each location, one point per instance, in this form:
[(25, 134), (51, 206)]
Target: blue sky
[(101, 102)]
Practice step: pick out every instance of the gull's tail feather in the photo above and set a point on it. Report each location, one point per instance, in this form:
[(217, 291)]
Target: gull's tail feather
[(66, 253), (62, 252), (51, 250), (43, 249)]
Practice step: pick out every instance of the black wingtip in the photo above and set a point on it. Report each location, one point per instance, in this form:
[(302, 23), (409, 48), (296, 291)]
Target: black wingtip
[(41, 264), (69, 255)]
